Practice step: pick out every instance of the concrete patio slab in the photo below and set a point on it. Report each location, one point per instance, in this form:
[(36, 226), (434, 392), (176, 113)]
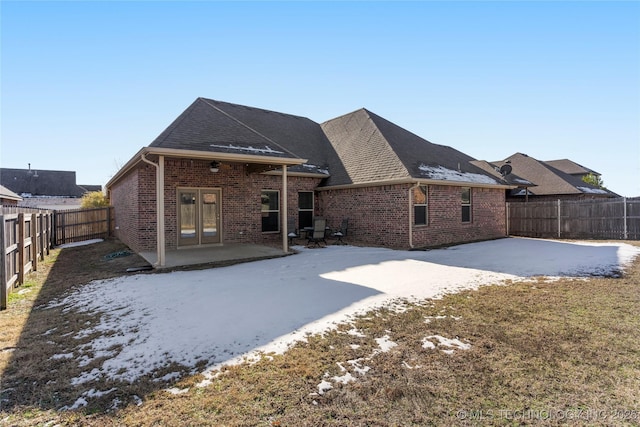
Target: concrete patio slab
[(218, 255)]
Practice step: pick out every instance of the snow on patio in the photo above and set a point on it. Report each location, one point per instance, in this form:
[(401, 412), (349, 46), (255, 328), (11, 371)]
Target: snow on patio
[(224, 315)]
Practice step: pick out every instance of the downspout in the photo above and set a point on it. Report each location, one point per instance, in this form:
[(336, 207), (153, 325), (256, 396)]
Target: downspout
[(413, 187), (285, 215), (160, 243)]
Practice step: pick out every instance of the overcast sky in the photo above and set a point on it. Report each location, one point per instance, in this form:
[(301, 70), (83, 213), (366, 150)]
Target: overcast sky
[(85, 85)]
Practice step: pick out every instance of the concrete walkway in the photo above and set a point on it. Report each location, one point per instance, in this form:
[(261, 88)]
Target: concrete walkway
[(230, 253)]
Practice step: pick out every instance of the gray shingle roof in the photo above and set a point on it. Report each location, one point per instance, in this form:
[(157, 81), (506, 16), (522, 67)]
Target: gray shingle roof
[(549, 180), (365, 153), (375, 149), (215, 126), (359, 147), (570, 167), (511, 178), (41, 182)]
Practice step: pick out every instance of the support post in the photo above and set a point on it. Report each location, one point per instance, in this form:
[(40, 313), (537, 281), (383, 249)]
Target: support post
[(159, 169), (285, 214), (160, 212), (508, 222)]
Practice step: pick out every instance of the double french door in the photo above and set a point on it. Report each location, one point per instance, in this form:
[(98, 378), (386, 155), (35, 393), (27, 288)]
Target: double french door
[(199, 216)]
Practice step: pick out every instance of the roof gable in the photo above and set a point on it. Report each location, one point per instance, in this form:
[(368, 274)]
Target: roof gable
[(7, 194), (221, 127), (206, 126)]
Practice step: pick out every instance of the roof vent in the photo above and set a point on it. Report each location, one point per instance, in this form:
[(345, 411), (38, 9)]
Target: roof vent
[(505, 170)]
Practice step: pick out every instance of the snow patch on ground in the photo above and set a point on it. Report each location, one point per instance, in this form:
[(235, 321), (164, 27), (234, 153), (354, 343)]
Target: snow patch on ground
[(243, 312)]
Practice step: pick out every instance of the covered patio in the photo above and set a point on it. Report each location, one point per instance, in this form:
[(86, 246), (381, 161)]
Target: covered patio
[(212, 256)]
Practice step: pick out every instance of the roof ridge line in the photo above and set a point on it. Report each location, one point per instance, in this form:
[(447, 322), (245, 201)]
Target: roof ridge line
[(386, 140), (248, 127), (171, 128), (344, 115)]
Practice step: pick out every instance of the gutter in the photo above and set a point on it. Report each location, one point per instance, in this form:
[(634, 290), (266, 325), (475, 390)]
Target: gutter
[(414, 186), (412, 181), (202, 155), (160, 241)]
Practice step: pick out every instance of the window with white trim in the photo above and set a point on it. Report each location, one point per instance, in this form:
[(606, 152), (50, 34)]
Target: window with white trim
[(420, 216), (305, 209), (270, 200), (466, 204)]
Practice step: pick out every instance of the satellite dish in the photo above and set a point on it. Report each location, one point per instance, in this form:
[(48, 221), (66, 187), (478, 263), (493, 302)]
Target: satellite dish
[(505, 169)]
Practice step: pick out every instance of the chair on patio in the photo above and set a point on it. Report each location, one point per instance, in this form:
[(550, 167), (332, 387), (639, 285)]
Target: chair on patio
[(292, 233), (342, 232), (319, 230)]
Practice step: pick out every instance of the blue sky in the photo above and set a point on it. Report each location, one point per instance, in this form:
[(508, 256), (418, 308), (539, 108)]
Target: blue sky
[(85, 85)]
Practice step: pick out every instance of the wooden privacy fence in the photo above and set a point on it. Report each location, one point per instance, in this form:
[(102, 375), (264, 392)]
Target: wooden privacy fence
[(83, 224), (27, 235), (25, 239), (576, 219)]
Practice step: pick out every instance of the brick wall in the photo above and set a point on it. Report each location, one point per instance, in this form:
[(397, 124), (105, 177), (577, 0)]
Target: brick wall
[(377, 215), (135, 200), (445, 226), (124, 198), (380, 215)]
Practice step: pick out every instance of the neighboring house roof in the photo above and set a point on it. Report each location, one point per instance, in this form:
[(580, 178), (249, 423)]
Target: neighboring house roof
[(510, 177), (570, 167), (90, 188), (375, 149), (41, 182), (7, 194), (549, 180)]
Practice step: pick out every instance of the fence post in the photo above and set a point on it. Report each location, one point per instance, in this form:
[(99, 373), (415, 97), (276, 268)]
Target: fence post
[(20, 241), (54, 231), (50, 230), (626, 231), (34, 243), (109, 221), (63, 228), (41, 236), (3, 267), (559, 223)]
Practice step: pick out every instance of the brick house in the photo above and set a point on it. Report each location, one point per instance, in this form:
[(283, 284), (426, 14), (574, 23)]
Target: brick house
[(46, 189), (227, 173), (552, 180)]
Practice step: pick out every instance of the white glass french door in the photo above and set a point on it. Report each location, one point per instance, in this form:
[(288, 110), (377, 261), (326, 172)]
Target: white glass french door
[(199, 216)]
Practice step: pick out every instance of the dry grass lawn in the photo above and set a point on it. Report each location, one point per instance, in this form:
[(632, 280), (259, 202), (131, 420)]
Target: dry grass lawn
[(541, 353)]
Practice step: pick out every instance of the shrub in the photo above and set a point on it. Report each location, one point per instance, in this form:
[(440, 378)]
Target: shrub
[(94, 199)]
